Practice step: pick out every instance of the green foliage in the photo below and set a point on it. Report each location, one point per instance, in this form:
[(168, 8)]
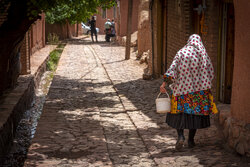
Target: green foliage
[(61, 46), (66, 10), (53, 59), (53, 38)]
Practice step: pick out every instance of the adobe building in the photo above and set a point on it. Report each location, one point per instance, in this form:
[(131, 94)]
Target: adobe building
[(224, 27), (119, 13), (103, 15), (63, 30), (144, 35), (33, 41), (123, 16)]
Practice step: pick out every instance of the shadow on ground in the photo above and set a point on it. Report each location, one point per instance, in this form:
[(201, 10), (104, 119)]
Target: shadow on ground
[(80, 124), (71, 129)]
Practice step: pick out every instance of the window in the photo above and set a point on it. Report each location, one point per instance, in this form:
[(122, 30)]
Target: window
[(104, 13)]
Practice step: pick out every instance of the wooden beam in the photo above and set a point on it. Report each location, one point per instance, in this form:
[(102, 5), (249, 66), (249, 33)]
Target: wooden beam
[(129, 27)]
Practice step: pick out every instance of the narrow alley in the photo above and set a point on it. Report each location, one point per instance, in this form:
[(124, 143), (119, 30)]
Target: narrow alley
[(100, 112)]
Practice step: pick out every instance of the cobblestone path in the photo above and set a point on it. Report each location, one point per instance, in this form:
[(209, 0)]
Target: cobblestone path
[(99, 112)]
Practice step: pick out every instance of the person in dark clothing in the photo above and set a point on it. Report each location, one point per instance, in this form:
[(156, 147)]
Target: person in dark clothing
[(93, 28)]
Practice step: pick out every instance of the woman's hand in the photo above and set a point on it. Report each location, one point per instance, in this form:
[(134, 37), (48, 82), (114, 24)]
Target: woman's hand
[(162, 88)]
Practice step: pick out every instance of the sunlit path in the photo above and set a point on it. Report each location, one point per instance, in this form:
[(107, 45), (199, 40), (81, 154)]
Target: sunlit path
[(99, 112)]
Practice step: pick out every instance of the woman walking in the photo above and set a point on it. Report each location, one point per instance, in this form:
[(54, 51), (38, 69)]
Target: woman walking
[(191, 100)]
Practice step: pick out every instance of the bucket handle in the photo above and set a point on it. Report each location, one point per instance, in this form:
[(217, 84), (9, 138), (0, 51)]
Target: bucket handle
[(160, 94)]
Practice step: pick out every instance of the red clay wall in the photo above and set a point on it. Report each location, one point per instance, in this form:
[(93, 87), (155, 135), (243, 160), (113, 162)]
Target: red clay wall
[(33, 41), (38, 35), (144, 28), (124, 14), (241, 76), (210, 39), (178, 29), (25, 55), (101, 21), (61, 30)]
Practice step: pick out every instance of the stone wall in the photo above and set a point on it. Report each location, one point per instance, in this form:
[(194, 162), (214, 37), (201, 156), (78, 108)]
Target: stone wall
[(236, 132), (14, 103), (12, 107)]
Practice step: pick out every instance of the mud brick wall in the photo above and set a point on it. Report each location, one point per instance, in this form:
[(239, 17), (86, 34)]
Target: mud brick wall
[(100, 21), (124, 14), (211, 39), (38, 34), (25, 55), (178, 27)]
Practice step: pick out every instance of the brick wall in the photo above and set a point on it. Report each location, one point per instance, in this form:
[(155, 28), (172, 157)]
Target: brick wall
[(32, 42), (25, 55), (211, 39), (38, 34), (178, 28)]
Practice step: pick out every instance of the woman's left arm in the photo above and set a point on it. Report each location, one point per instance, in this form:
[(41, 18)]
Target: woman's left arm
[(171, 73)]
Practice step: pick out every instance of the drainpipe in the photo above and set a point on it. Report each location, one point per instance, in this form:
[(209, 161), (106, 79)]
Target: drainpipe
[(152, 34)]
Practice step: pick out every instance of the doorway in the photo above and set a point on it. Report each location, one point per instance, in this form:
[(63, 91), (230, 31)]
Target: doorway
[(196, 17)]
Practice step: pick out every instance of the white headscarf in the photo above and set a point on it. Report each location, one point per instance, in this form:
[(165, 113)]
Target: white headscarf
[(191, 68)]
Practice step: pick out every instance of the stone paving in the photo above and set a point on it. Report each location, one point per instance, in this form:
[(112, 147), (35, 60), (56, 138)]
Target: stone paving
[(99, 112)]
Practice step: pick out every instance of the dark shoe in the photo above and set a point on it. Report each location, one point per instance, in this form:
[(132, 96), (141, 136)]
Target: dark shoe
[(181, 139), (191, 143), (179, 144), (191, 135)]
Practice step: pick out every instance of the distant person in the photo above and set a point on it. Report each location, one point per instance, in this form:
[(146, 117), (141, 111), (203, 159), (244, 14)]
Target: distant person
[(92, 23), (107, 24), (113, 28), (107, 30)]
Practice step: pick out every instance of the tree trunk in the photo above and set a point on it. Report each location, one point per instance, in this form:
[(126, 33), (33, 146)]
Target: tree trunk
[(77, 29), (129, 26), (69, 34), (12, 32)]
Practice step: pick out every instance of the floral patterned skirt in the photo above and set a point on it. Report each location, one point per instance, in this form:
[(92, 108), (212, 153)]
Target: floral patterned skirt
[(191, 111)]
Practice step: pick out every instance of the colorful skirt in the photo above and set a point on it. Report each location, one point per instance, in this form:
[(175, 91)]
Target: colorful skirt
[(191, 111)]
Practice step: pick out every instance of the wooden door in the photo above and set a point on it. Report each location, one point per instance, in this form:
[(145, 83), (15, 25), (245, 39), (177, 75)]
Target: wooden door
[(196, 17), (229, 63), (227, 53)]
